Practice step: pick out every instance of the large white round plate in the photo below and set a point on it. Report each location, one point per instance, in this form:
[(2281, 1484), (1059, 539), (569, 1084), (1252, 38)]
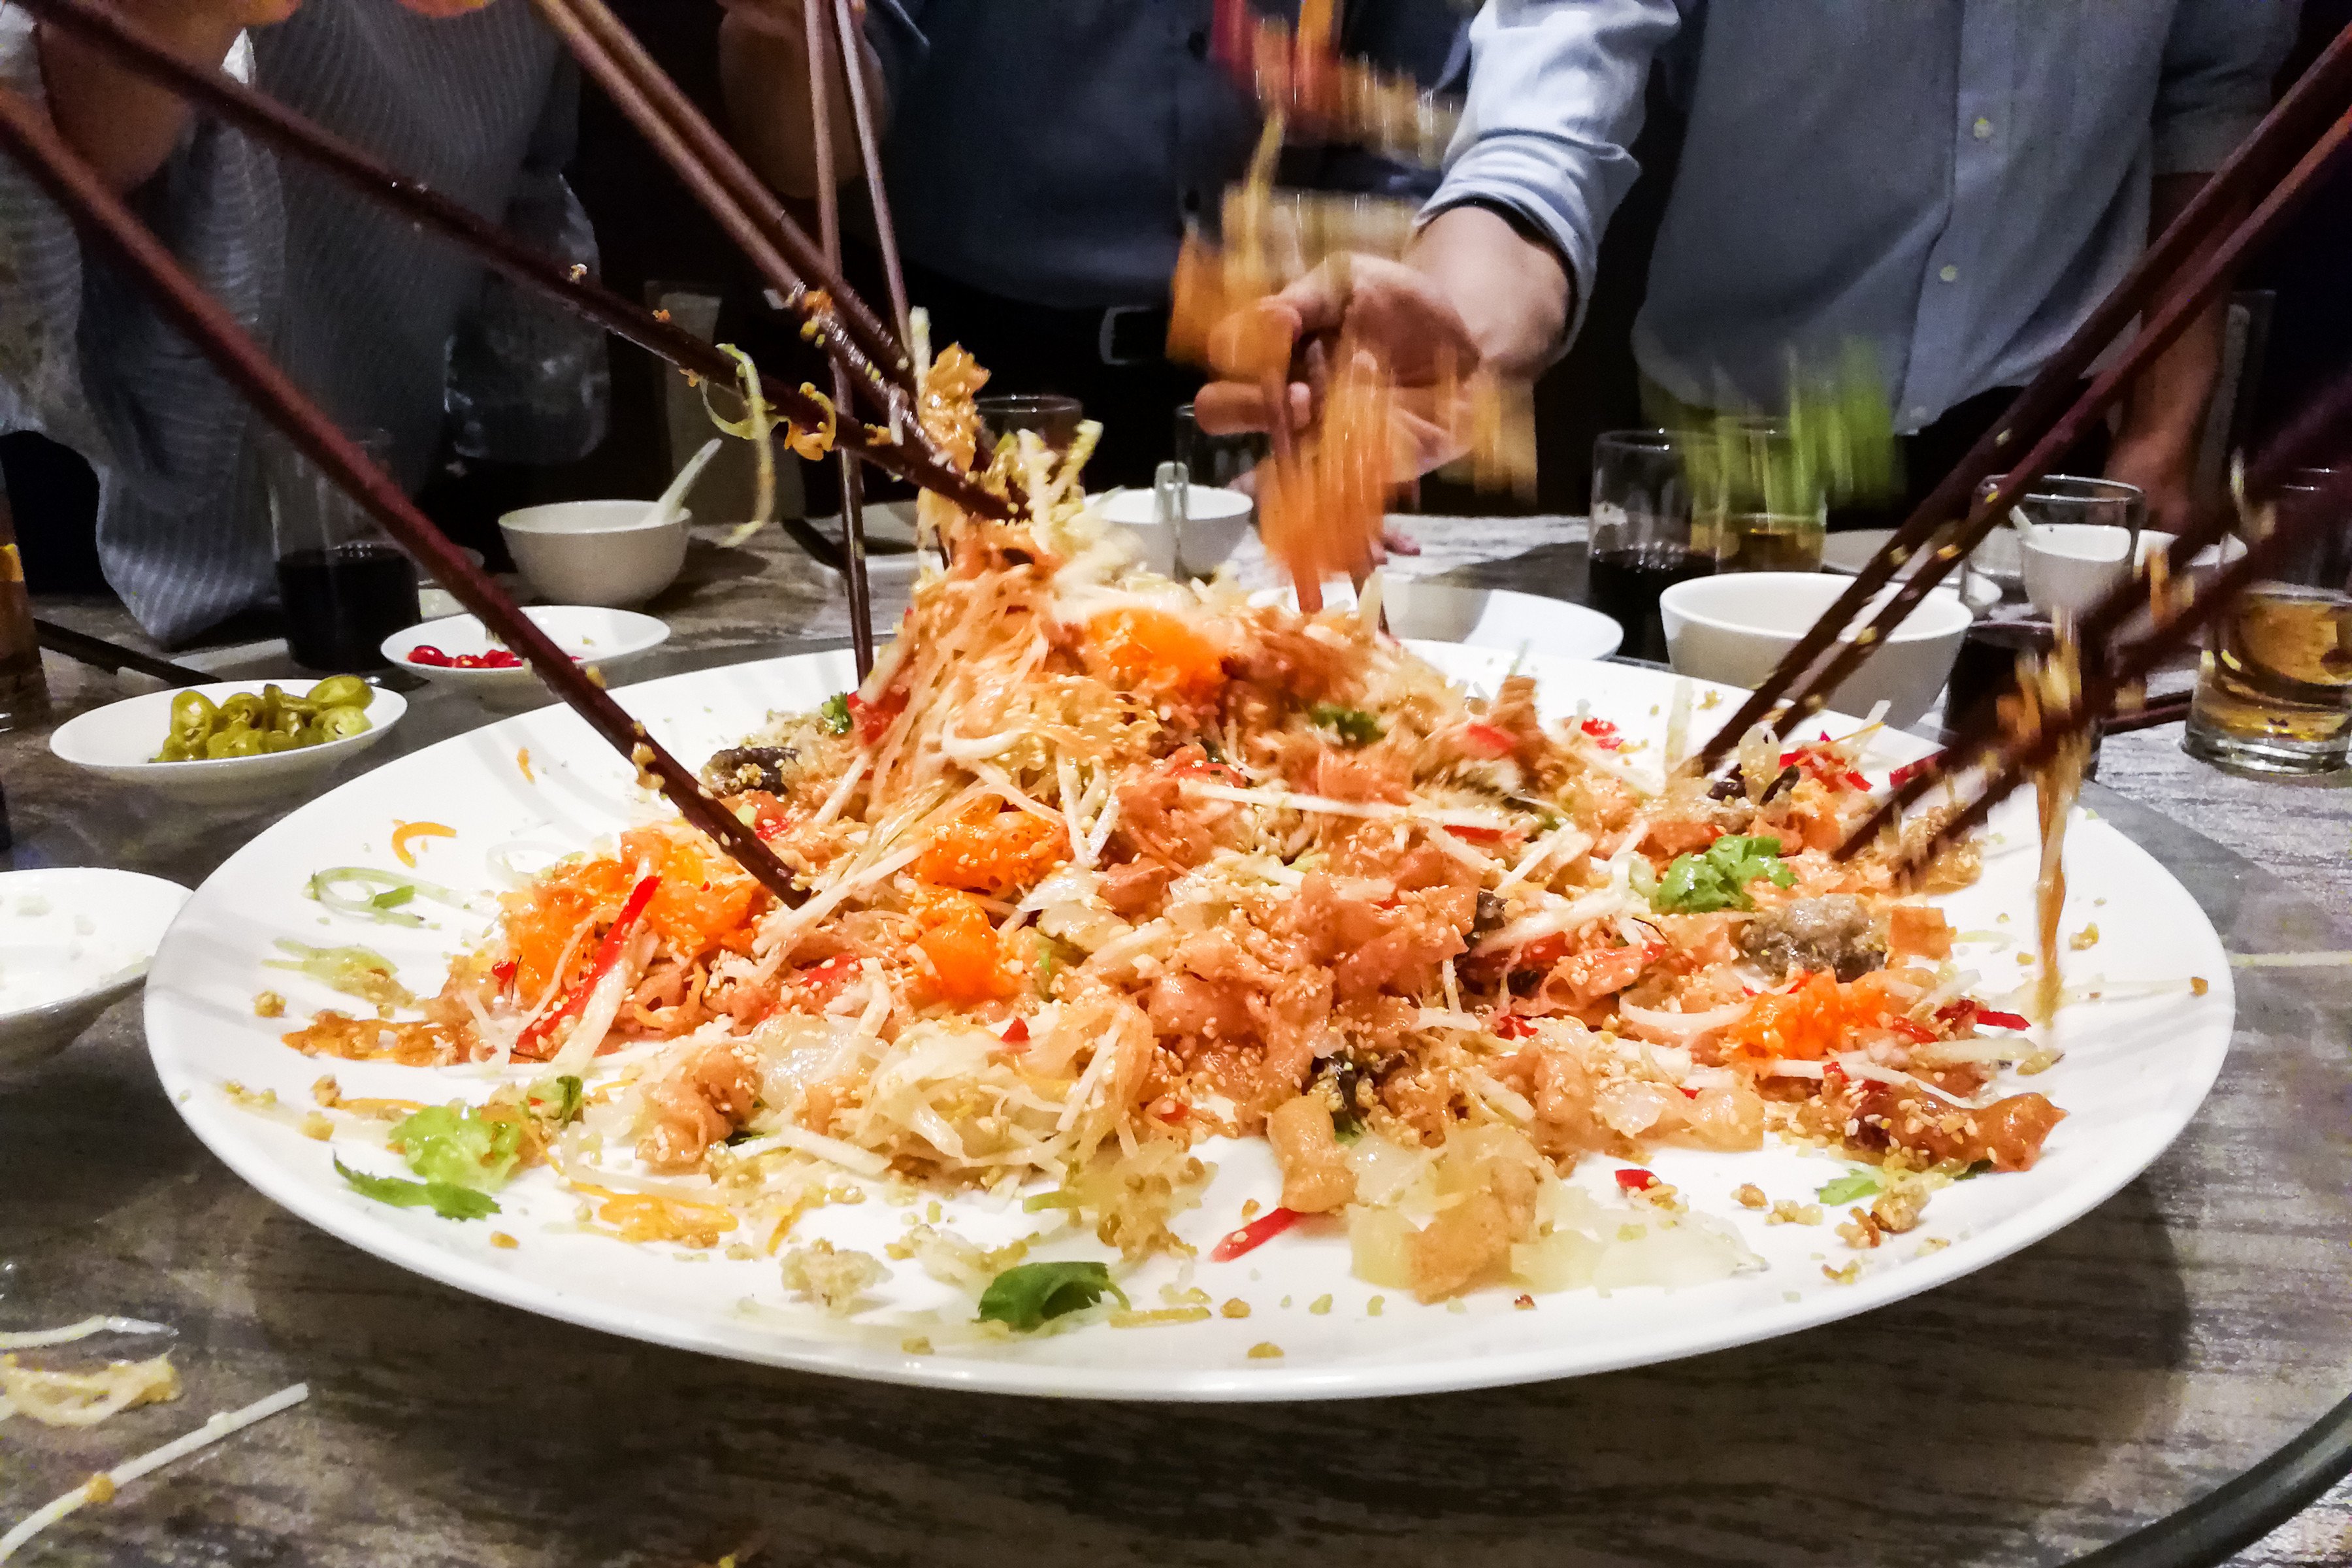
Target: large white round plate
[(2134, 1072)]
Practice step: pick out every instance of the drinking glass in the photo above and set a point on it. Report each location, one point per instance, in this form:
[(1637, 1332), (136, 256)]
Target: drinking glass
[(2274, 682), (1054, 417), (344, 585), (1642, 539), (1759, 499), (1213, 460)]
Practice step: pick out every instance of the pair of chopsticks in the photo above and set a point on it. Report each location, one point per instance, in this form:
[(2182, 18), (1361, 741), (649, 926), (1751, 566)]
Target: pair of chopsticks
[(2310, 117), (868, 363), (901, 448), (28, 137), (2001, 762)]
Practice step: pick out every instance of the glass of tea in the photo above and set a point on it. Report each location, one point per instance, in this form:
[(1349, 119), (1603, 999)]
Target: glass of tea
[(2275, 681), (1642, 541), (344, 585), (1760, 501)]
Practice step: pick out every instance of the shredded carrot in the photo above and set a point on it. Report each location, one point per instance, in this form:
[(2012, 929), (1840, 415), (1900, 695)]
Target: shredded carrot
[(405, 834), (522, 761)]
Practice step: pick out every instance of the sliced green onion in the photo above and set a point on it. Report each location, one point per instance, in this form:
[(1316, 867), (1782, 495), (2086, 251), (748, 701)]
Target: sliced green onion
[(381, 906)]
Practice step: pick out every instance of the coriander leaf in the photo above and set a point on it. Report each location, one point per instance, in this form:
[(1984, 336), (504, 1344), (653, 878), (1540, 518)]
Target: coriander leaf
[(834, 714), (1851, 1185), (1718, 878), (1353, 725), (448, 1201), (461, 1148), (1029, 1294)]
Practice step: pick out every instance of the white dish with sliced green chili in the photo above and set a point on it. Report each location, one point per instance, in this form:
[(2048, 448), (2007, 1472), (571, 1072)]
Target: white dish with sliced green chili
[(261, 740), (1003, 1291)]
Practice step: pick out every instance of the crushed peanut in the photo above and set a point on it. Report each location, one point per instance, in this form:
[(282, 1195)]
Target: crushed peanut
[(1235, 1308), (268, 1004), (1751, 1196), (1848, 1275), (504, 1242), (1265, 1350)]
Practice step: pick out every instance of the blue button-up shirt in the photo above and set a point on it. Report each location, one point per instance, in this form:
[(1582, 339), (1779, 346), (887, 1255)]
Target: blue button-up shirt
[(1957, 182), (1053, 150)]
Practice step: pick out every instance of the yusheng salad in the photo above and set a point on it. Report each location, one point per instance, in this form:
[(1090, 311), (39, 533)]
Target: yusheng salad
[(1099, 866)]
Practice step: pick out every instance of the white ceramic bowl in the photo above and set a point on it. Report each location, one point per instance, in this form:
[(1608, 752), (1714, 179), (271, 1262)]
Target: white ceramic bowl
[(1216, 520), (2071, 566), (74, 941), (118, 740), (595, 634), (1735, 628), (596, 551)]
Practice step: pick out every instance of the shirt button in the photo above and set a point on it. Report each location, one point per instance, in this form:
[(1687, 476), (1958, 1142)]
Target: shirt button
[(1949, 275), (1983, 129), (1198, 43)]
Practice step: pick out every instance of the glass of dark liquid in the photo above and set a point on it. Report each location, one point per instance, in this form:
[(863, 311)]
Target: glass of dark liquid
[(344, 585), (1641, 543)]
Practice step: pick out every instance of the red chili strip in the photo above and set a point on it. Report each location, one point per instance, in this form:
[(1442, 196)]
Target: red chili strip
[(615, 940), (1253, 1236), (1633, 1179), (2003, 1020)]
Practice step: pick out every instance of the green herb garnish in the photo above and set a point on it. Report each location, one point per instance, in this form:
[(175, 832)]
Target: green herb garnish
[(1717, 879), (834, 714), (459, 1148), (1031, 1294), (443, 1198), (1851, 1185), (1353, 725)]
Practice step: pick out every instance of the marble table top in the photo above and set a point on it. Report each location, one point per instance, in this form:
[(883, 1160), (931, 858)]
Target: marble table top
[(2100, 1388)]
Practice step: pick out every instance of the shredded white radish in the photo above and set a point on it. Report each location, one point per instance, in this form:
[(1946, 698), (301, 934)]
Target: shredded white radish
[(848, 1156), (41, 1339), (103, 1487), (1370, 811), (1556, 920), (1565, 842)]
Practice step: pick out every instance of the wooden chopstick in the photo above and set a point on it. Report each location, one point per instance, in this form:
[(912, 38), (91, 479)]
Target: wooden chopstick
[(815, 26), (2299, 118), (869, 152), (26, 135), (268, 121), (2019, 756), (100, 654)]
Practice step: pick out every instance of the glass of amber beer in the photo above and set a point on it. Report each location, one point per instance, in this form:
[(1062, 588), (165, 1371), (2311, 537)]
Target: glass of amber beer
[(2274, 683)]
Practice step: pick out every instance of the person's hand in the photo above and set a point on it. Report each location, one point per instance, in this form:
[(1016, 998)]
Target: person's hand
[(2164, 466), (1277, 353)]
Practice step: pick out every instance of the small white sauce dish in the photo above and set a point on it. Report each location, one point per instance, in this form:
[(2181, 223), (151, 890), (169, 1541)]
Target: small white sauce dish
[(2071, 566), (610, 552), (1735, 628), (595, 634), (74, 941), (120, 741)]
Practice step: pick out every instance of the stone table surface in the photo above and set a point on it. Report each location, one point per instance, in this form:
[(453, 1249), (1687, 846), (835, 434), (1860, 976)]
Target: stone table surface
[(2096, 1387)]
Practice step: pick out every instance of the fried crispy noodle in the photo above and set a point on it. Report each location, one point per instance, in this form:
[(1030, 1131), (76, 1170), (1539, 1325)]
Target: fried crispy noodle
[(102, 1487), (1099, 865)]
